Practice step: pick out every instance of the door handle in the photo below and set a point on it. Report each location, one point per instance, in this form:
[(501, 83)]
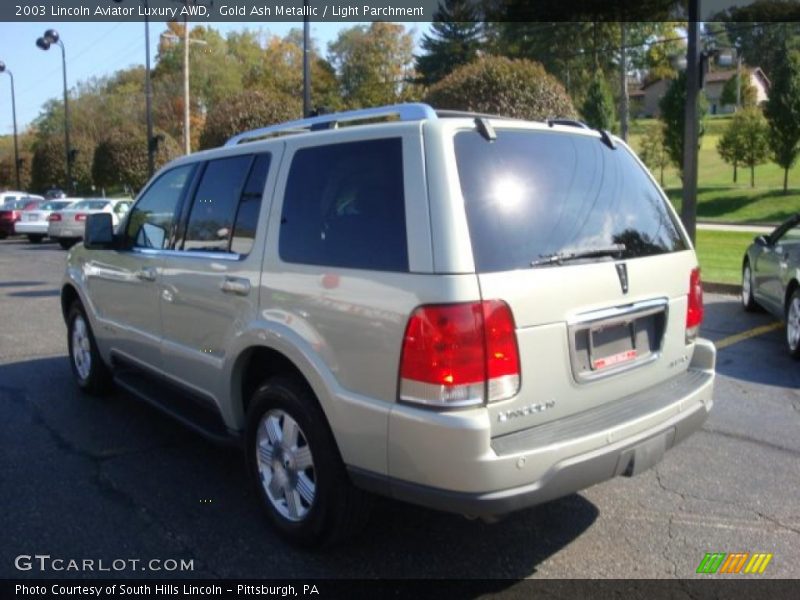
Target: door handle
[(146, 274), (236, 285)]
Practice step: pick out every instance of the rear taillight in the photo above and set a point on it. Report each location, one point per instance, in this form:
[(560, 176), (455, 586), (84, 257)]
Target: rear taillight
[(80, 217), (694, 309), (460, 355), (54, 217)]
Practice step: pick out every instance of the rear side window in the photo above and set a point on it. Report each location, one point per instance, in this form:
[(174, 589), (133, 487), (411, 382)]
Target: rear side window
[(225, 210), (344, 206), (531, 195)]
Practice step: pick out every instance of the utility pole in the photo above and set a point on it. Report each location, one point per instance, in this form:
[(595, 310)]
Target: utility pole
[(187, 140), (306, 61), (623, 95), (738, 81), (148, 98), (691, 125)]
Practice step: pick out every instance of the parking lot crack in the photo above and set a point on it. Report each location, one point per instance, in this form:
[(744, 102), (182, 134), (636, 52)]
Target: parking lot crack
[(778, 522), (744, 438)]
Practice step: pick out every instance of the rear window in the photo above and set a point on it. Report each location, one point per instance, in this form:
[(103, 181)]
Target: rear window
[(90, 205), (533, 195)]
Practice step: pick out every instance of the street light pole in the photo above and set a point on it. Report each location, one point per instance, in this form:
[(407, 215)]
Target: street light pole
[(691, 125), (148, 97), (14, 117), (187, 143), (49, 38)]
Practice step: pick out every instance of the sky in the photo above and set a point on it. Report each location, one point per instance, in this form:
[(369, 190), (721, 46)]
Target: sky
[(94, 50)]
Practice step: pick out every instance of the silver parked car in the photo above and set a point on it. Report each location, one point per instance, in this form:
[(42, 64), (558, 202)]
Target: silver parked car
[(34, 223), (66, 225), (471, 313), (771, 278)]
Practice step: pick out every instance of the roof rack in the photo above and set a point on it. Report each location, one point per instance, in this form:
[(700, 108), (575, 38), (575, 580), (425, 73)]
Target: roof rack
[(463, 114), (405, 112), (568, 123)]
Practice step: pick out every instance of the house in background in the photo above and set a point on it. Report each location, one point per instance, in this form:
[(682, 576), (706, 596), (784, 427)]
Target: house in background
[(644, 101)]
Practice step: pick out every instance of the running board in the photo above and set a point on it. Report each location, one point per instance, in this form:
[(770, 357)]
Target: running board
[(181, 406)]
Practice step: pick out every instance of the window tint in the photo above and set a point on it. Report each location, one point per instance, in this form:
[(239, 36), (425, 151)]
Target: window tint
[(151, 219), (532, 195), (244, 230), (344, 206), (214, 208)]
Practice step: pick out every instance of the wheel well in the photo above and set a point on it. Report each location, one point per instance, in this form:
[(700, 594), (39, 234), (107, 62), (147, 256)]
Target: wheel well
[(260, 363), (68, 296), (793, 285)]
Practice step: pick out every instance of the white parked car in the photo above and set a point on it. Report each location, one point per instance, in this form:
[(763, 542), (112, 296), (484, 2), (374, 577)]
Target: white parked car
[(34, 224), (66, 226), (10, 196)]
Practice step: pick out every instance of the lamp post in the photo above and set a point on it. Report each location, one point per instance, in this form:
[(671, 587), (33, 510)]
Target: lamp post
[(3, 69), (49, 38), (306, 62)]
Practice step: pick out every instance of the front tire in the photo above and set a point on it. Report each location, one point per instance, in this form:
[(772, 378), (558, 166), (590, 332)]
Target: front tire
[(90, 372), (793, 325), (296, 467), (748, 300)]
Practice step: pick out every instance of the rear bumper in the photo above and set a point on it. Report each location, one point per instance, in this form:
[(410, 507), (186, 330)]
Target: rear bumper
[(31, 227), (66, 231), (549, 461)]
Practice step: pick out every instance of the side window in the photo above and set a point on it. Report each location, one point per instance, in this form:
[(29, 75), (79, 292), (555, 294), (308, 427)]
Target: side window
[(151, 219), (344, 206), (244, 229), (213, 212), (792, 236)]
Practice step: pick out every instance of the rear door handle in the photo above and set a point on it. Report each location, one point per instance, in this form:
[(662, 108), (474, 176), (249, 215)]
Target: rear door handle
[(146, 274), (236, 285)]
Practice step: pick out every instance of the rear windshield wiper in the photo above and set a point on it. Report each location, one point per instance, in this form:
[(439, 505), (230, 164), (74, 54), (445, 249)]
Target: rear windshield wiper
[(562, 257)]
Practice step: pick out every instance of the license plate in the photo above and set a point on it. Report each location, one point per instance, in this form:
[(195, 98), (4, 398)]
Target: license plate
[(612, 346), (32, 217)]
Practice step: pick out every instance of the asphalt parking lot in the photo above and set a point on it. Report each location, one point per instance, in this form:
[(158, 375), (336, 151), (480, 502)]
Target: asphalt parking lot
[(114, 479)]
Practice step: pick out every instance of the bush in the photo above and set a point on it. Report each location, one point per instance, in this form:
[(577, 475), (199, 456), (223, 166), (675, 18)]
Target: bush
[(498, 85), (120, 160), (244, 111)]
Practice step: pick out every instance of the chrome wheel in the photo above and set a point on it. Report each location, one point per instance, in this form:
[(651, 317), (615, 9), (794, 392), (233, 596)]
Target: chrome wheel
[(793, 323), (285, 465), (81, 348)]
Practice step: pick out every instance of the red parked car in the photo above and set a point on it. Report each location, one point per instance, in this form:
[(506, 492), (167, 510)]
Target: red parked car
[(11, 212)]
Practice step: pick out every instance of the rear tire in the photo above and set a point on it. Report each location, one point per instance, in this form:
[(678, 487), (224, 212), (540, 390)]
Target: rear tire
[(748, 300), (295, 465), (90, 372), (35, 238), (66, 243), (793, 325)]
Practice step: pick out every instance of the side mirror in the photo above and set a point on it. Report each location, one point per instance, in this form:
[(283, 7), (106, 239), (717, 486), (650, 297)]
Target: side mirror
[(99, 232), (761, 240)]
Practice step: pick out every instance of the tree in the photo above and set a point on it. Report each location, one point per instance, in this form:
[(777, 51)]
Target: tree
[(120, 159), (673, 106), (783, 113), (247, 110), (598, 107), (374, 64), (48, 163), (748, 95), (499, 85), (455, 40), (730, 148), (754, 137), (653, 152)]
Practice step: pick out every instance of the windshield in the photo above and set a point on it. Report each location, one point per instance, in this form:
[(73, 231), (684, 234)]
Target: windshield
[(532, 195), (90, 205)]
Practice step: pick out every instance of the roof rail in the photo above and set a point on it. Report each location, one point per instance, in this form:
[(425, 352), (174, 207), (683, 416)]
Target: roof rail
[(568, 123), (405, 112), (465, 114)]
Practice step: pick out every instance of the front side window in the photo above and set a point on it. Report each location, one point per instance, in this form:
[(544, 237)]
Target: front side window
[(151, 219), (344, 206), (534, 196)]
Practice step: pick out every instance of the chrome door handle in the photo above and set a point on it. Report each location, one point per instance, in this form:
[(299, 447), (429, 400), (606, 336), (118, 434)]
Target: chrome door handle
[(236, 285), (146, 274)]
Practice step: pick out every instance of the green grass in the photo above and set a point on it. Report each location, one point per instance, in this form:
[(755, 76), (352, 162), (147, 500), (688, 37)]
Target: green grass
[(719, 199), (720, 254)]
